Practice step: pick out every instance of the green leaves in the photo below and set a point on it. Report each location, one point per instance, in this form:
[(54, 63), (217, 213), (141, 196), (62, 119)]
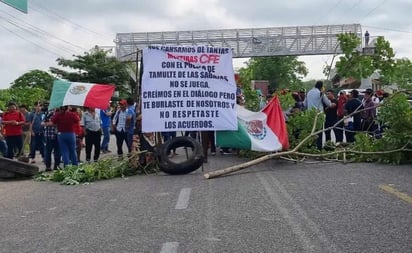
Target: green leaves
[(355, 64), (34, 79), (300, 126), (94, 67), (395, 116), (348, 43), (21, 95), (100, 170), (402, 74), (280, 71)]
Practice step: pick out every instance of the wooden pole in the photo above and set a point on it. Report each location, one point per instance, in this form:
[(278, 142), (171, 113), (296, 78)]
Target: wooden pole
[(228, 170), (295, 151)]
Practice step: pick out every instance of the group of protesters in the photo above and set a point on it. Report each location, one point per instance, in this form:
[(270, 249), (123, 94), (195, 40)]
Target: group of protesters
[(63, 132), (345, 114)]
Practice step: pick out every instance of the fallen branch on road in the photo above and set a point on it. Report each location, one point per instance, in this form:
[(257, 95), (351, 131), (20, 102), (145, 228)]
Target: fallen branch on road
[(235, 168), (344, 149)]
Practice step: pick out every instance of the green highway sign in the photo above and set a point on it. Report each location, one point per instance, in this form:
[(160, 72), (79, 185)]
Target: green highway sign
[(20, 5)]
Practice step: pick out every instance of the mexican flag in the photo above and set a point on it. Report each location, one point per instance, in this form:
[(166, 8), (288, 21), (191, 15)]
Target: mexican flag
[(263, 131), (80, 94)]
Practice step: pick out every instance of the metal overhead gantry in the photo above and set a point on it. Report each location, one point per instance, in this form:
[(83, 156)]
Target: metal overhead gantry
[(272, 41)]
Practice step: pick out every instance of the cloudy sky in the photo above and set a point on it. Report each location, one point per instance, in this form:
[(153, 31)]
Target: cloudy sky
[(54, 29)]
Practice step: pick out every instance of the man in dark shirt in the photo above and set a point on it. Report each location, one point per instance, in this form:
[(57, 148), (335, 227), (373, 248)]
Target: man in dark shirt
[(352, 105), (37, 131), (52, 145)]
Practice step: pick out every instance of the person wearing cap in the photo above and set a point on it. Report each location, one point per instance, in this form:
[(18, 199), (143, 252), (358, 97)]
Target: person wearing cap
[(352, 106), (370, 92), (13, 120), (119, 127)]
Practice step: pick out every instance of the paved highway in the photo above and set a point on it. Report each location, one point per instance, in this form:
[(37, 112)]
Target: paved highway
[(277, 206)]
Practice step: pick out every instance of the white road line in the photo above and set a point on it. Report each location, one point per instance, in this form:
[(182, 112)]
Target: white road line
[(169, 247), (183, 200)]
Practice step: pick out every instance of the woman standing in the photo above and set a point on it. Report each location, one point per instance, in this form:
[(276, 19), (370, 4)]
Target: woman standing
[(13, 121), (66, 122)]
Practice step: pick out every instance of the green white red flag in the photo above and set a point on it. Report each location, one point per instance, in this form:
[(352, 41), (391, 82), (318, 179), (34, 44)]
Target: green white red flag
[(263, 131), (80, 94)]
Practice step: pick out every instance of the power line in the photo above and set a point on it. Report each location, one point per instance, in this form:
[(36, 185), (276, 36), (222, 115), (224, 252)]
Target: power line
[(355, 5), (25, 29), (42, 9), (32, 42), (43, 32), (388, 29), (328, 12), (374, 9)]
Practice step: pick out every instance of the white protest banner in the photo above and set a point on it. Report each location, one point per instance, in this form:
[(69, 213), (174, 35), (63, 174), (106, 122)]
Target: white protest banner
[(188, 88)]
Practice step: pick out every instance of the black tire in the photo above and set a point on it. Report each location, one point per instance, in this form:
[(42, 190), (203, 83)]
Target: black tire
[(193, 162), (4, 174), (19, 169)]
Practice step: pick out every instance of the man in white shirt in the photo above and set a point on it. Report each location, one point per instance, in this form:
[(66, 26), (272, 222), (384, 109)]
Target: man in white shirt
[(316, 99), (90, 122), (119, 126)]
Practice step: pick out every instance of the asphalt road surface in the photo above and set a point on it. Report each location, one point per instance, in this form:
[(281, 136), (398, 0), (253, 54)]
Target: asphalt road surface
[(276, 206)]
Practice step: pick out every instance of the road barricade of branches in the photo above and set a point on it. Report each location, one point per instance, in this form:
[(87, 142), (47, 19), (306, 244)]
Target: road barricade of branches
[(394, 146)]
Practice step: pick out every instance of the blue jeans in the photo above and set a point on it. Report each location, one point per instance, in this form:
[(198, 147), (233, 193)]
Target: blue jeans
[(106, 139), (3, 148), (67, 144), (37, 143), (52, 146), (129, 141)]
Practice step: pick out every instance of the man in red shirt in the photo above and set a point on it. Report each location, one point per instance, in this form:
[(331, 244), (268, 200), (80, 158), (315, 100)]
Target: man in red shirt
[(13, 120)]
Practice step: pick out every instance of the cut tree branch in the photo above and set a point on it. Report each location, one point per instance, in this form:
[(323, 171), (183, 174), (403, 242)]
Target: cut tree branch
[(295, 151)]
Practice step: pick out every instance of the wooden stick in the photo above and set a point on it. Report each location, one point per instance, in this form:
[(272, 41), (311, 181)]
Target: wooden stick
[(245, 165)]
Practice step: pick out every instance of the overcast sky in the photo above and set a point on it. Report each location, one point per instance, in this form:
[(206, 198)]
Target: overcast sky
[(53, 29)]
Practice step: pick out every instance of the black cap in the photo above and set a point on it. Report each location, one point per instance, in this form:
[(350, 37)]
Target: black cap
[(11, 103), (354, 92), (368, 91)]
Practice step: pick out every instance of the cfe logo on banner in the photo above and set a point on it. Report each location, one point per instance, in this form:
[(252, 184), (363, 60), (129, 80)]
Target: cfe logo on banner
[(188, 88)]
